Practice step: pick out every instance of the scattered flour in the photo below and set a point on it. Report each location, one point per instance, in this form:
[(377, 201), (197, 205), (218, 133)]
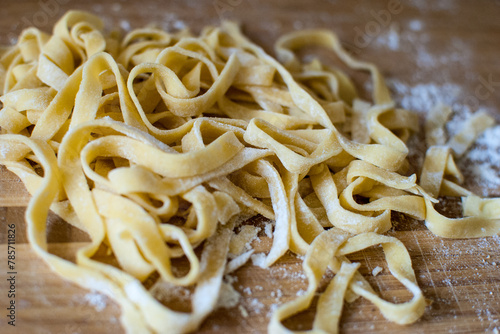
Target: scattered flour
[(389, 38), (125, 25), (282, 272), (179, 25), (423, 97), (97, 300), (416, 25), (482, 163), (171, 22), (247, 291), (300, 293), (256, 305), (259, 260)]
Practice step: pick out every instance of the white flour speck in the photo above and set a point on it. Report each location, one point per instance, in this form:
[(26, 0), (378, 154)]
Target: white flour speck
[(125, 25), (97, 300), (416, 25)]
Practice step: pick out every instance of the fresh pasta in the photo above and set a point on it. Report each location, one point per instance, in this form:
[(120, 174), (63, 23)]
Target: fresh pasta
[(159, 145)]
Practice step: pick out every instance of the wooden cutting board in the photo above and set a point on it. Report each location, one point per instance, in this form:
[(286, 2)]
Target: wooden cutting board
[(430, 51)]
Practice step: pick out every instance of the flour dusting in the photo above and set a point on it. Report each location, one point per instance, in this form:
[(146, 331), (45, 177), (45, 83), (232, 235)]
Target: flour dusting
[(482, 163), (97, 300)]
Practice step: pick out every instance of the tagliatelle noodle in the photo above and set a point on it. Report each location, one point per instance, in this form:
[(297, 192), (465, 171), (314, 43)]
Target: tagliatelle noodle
[(477, 221), (159, 144), (434, 125), (483, 207), (335, 243)]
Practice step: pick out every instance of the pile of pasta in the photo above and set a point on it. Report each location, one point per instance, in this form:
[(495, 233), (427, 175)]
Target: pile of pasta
[(159, 145)]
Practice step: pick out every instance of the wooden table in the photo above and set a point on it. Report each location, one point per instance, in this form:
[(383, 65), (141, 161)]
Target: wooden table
[(428, 51)]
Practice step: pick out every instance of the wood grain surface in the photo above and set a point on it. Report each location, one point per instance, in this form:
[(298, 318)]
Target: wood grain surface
[(429, 50)]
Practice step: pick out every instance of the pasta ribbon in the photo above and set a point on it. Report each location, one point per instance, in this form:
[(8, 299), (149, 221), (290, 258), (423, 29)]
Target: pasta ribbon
[(327, 250), (438, 164)]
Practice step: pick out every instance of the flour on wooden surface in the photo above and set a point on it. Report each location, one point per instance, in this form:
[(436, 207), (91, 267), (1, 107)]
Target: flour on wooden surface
[(259, 260), (97, 300), (482, 163), (416, 25), (390, 37), (423, 97)]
